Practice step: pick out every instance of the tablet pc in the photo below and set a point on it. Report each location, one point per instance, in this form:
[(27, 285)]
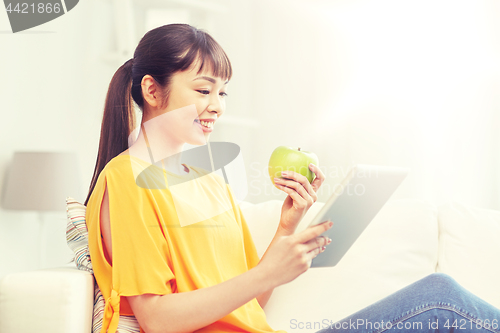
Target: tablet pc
[(353, 205)]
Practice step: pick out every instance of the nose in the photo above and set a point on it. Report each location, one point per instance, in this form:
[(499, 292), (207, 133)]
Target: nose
[(217, 105)]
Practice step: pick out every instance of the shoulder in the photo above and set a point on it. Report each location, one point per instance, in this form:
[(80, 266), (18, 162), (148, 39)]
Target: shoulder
[(124, 173), (125, 166), (117, 163)]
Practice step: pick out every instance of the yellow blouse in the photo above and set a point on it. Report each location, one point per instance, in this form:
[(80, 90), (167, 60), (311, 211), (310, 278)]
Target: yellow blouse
[(169, 233)]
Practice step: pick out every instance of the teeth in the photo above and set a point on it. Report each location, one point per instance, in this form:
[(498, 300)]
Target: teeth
[(208, 124)]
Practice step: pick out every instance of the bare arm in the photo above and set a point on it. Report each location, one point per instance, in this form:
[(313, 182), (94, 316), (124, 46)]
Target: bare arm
[(289, 257), (264, 297), (189, 311)]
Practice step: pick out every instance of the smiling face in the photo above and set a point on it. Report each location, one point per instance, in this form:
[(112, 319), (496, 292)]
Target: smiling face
[(198, 100)]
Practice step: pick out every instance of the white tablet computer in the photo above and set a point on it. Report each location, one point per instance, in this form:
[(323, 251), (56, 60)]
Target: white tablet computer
[(353, 205)]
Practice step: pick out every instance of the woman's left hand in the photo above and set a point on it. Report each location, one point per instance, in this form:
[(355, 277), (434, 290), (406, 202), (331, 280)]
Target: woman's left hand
[(301, 196)]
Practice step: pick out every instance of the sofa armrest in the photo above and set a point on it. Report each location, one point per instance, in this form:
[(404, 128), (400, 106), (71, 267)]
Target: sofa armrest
[(49, 300)]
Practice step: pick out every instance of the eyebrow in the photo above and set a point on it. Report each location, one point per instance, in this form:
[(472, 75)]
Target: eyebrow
[(208, 78)]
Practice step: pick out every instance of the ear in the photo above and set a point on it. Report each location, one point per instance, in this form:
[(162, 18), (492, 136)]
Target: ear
[(150, 90)]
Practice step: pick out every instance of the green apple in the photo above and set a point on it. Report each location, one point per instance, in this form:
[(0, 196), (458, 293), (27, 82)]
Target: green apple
[(293, 159)]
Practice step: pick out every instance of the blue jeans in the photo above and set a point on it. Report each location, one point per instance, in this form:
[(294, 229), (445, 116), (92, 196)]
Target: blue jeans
[(436, 303)]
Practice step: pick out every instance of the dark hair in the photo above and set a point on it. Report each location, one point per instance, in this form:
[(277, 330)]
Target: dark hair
[(162, 52)]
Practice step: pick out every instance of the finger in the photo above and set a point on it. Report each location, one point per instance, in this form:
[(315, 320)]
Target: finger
[(317, 242), (313, 254), (297, 198), (302, 180), (320, 177), (298, 187), (311, 232)]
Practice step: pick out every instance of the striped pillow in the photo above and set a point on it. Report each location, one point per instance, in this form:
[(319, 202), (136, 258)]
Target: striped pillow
[(77, 234), (78, 242)]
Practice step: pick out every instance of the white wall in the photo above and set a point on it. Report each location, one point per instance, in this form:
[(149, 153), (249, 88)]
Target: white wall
[(408, 83), (52, 92), (411, 83)]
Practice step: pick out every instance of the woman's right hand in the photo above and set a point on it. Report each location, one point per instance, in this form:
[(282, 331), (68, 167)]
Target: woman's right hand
[(289, 256)]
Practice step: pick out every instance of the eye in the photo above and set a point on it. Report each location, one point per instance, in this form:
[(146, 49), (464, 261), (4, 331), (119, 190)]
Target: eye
[(223, 94), (204, 92)]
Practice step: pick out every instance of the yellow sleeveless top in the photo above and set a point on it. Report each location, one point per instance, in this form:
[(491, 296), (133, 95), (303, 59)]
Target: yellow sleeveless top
[(169, 233)]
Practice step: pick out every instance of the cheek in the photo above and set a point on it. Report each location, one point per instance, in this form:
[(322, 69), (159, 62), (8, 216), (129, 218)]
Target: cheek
[(201, 106), (180, 99)]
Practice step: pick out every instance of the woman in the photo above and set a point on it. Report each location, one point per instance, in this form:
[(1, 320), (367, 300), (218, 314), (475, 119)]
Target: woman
[(168, 242)]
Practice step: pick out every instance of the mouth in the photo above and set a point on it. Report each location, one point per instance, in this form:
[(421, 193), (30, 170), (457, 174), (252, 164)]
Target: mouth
[(206, 126)]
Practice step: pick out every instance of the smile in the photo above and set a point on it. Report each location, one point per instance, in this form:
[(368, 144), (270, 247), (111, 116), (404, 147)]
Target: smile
[(206, 126)]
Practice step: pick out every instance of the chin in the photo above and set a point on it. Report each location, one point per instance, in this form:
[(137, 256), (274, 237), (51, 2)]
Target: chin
[(199, 141)]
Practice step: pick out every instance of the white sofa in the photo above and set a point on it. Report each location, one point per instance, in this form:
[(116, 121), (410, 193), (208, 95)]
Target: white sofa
[(406, 241)]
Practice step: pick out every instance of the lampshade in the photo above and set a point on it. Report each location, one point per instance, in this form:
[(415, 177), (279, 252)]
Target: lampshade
[(41, 181)]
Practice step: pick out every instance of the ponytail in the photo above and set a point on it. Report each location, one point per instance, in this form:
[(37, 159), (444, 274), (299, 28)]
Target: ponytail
[(118, 120)]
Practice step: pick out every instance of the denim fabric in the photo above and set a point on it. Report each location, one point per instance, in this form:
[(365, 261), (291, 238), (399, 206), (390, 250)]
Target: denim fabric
[(436, 303)]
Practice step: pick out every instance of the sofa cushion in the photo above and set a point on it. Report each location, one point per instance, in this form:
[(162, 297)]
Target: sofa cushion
[(262, 220), (469, 249), (398, 248), (56, 300)]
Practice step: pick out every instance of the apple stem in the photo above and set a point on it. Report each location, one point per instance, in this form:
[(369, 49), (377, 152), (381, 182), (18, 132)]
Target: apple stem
[(299, 148)]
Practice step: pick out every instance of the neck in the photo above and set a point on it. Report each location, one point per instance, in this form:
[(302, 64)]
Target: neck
[(153, 147)]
